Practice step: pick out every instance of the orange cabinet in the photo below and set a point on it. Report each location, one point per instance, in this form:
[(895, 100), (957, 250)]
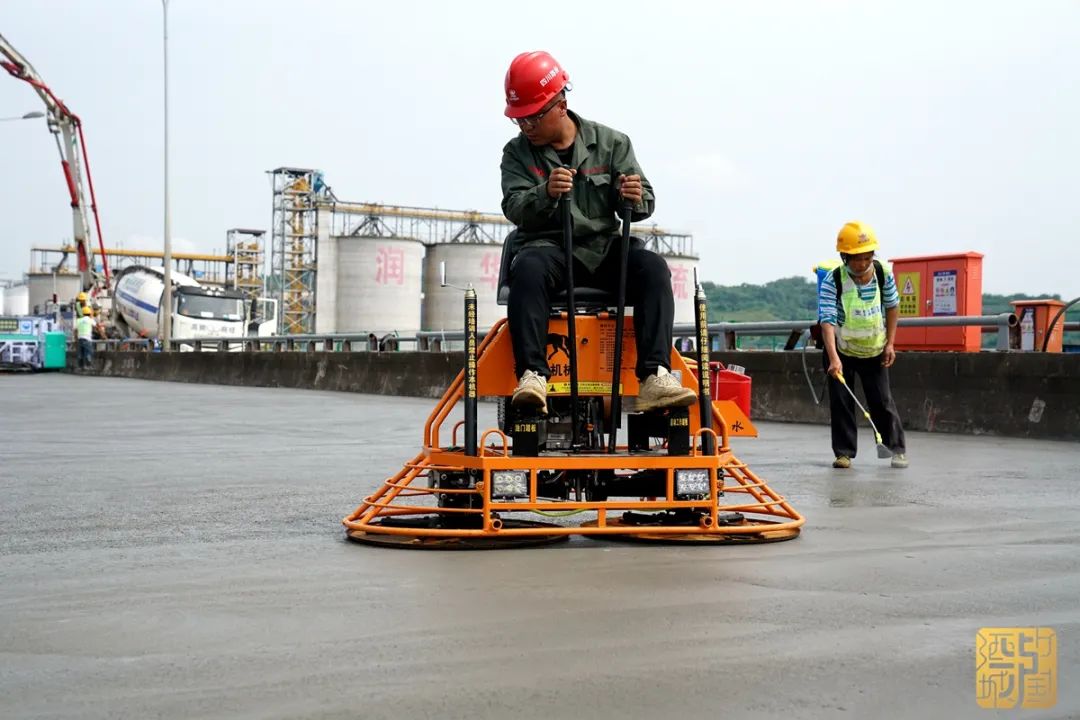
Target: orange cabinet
[(1035, 316), (939, 286)]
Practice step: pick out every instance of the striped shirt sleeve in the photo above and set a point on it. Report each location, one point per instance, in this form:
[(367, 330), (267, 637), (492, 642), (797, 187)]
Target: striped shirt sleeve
[(826, 301), (889, 295)]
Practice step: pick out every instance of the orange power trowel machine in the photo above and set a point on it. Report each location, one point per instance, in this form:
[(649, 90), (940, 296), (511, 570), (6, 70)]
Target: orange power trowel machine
[(542, 477)]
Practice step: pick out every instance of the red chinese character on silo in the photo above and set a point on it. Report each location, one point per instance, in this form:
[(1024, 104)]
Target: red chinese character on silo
[(489, 269), (678, 282), (389, 265)]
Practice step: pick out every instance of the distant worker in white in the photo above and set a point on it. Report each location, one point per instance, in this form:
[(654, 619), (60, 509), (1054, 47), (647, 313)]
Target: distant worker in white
[(84, 331)]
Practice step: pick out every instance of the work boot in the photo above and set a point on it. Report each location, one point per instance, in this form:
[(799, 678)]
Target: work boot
[(842, 462), (663, 390), (531, 391), (899, 461)]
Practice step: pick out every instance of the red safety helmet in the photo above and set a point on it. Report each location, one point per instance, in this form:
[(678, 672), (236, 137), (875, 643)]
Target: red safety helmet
[(533, 79)]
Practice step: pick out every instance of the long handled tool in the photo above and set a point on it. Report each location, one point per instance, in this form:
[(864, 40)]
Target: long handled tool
[(620, 317), (571, 311), (882, 451), (701, 326)]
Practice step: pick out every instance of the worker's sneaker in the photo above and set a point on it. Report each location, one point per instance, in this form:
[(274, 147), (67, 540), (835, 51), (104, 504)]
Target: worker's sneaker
[(899, 461), (842, 462), (663, 390), (531, 391)]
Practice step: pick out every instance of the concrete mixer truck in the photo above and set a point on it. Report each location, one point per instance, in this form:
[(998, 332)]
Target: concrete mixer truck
[(199, 312)]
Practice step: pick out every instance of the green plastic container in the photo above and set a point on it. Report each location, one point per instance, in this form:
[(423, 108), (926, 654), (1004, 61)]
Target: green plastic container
[(55, 355)]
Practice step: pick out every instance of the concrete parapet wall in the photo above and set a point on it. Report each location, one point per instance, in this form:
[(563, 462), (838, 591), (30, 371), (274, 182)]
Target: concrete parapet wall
[(1013, 394), (416, 374)]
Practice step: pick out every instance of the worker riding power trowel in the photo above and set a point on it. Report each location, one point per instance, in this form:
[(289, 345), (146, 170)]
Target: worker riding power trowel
[(675, 479)]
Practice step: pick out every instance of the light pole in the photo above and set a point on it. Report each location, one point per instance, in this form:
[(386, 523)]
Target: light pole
[(166, 299), (28, 116)]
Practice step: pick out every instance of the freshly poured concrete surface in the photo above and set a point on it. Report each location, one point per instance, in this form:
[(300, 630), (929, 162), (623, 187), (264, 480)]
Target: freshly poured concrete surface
[(175, 551)]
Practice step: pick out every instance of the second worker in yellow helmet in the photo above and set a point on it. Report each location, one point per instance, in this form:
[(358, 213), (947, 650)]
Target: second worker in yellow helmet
[(858, 308)]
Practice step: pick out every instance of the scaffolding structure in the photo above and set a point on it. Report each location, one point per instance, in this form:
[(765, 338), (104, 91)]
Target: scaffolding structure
[(432, 225), (245, 247), (429, 225), (294, 246), (207, 269)]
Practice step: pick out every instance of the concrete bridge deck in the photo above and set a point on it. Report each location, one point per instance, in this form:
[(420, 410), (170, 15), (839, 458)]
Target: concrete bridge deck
[(174, 551)]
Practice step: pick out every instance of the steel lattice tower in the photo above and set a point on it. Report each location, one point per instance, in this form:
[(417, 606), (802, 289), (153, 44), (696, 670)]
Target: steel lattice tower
[(245, 248), (294, 261)]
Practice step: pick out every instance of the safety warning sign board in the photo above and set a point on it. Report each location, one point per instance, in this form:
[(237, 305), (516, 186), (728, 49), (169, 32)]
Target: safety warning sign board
[(908, 286)]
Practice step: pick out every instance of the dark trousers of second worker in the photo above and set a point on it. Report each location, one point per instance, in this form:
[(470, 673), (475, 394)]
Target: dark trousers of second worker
[(85, 354), (539, 274), (874, 379)]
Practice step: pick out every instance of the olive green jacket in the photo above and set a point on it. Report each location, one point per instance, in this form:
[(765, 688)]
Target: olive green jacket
[(600, 155)]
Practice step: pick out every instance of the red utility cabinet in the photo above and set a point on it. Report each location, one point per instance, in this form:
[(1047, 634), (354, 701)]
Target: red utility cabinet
[(939, 286)]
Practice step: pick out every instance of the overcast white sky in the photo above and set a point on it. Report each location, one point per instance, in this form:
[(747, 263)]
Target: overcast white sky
[(949, 126)]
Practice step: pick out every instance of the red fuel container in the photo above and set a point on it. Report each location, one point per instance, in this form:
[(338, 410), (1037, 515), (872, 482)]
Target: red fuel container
[(729, 385)]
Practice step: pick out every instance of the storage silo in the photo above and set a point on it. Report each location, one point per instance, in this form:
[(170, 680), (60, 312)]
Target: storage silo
[(466, 263), (16, 300), (378, 284), (682, 285), (42, 287)]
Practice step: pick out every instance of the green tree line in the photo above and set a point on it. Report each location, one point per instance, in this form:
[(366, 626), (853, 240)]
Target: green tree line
[(795, 298)]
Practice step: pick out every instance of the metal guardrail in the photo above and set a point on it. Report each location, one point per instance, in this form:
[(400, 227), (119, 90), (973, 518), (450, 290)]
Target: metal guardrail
[(725, 337), (340, 342), (126, 344), (1003, 324), (433, 341)]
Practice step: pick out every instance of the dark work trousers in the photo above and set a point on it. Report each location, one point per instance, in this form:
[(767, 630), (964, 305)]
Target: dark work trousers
[(85, 355), (879, 401), (539, 273)]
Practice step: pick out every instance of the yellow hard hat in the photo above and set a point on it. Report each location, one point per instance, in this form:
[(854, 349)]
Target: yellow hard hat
[(82, 297), (87, 310), (855, 238)]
